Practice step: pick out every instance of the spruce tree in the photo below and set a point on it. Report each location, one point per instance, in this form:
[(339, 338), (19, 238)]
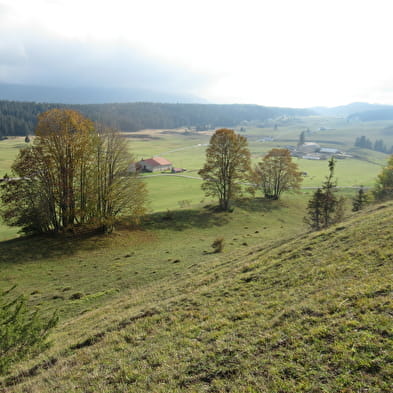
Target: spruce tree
[(360, 200), (324, 208), (22, 332)]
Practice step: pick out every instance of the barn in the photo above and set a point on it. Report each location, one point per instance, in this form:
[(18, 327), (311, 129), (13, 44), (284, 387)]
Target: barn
[(155, 164)]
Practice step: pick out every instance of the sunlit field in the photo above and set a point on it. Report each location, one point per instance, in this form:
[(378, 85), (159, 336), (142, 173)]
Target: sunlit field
[(186, 149)]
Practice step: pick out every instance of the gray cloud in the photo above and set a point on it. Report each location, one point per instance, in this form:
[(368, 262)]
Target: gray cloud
[(36, 58)]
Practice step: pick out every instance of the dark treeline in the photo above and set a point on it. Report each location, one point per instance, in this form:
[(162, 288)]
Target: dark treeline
[(378, 145), (19, 118)]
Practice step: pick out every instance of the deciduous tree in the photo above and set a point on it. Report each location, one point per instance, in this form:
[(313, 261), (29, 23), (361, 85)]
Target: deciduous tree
[(384, 186), (73, 175), (227, 166), (277, 173)]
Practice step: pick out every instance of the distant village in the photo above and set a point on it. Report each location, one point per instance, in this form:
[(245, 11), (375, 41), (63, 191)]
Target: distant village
[(313, 151)]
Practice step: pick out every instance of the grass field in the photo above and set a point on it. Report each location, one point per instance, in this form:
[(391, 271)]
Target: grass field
[(187, 150), (154, 309), (290, 312)]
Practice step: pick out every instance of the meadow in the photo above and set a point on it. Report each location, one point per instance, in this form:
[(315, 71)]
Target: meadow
[(294, 313), (186, 149), (153, 308)]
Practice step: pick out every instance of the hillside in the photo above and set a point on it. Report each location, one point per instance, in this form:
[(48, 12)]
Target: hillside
[(384, 113), (354, 109), (307, 314)]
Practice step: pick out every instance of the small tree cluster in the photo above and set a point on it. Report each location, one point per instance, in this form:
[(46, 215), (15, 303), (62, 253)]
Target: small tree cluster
[(325, 208), (378, 145), (227, 171), (72, 175), (22, 332)]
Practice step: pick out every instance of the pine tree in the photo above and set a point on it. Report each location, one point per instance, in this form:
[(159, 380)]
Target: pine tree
[(22, 332), (360, 200), (314, 210), (302, 138), (324, 208)]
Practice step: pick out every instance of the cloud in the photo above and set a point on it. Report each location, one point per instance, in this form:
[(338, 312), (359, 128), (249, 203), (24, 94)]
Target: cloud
[(35, 57)]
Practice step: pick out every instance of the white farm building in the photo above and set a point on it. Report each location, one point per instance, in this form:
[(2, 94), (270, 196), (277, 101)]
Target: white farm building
[(309, 147)]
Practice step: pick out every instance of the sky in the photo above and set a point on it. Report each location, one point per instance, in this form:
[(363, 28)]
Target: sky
[(295, 53)]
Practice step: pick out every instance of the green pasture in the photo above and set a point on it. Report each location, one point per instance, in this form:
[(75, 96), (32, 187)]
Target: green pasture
[(183, 150), (51, 270), (8, 151), (187, 150), (154, 310)]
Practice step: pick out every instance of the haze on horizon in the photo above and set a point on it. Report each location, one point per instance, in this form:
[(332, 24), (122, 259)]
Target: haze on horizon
[(282, 53)]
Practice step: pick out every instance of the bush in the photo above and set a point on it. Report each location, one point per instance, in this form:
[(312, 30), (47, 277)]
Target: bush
[(22, 332), (384, 187), (218, 245)]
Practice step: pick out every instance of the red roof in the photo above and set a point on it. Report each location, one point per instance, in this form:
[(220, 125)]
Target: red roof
[(157, 161)]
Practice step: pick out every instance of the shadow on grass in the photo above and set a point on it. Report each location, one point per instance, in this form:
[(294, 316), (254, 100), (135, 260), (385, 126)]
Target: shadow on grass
[(24, 249), (259, 205), (178, 220)]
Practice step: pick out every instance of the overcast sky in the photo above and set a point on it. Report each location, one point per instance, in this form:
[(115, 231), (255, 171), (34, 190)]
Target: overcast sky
[(294, 53)]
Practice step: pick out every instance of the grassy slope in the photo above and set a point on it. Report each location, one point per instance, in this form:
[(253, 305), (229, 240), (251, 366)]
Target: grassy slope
[(311, 314)]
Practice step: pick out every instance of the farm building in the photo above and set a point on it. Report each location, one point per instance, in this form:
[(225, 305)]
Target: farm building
[(309, 147), (329, 150), (156, 164), (311, 157)]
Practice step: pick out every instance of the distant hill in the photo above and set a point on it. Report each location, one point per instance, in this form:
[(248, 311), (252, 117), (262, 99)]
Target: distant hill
[(373, 115), (88, 95), (19, 118), (350, 109)]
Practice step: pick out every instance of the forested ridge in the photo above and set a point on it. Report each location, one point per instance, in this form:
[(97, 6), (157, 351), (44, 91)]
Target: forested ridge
[(19, 118)]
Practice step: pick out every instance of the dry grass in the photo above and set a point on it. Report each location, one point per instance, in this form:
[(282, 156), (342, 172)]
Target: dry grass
[(307, 314)]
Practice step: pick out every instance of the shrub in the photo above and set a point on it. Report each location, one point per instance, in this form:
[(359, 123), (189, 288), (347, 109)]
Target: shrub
[(218, 245), (384, 187), (22, 332)]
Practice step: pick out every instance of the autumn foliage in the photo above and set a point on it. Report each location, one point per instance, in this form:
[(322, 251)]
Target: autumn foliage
[(227, 167), (277, 173), (72, 176)]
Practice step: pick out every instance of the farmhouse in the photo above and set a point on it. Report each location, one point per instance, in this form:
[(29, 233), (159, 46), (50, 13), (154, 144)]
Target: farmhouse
[(156, 164)]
